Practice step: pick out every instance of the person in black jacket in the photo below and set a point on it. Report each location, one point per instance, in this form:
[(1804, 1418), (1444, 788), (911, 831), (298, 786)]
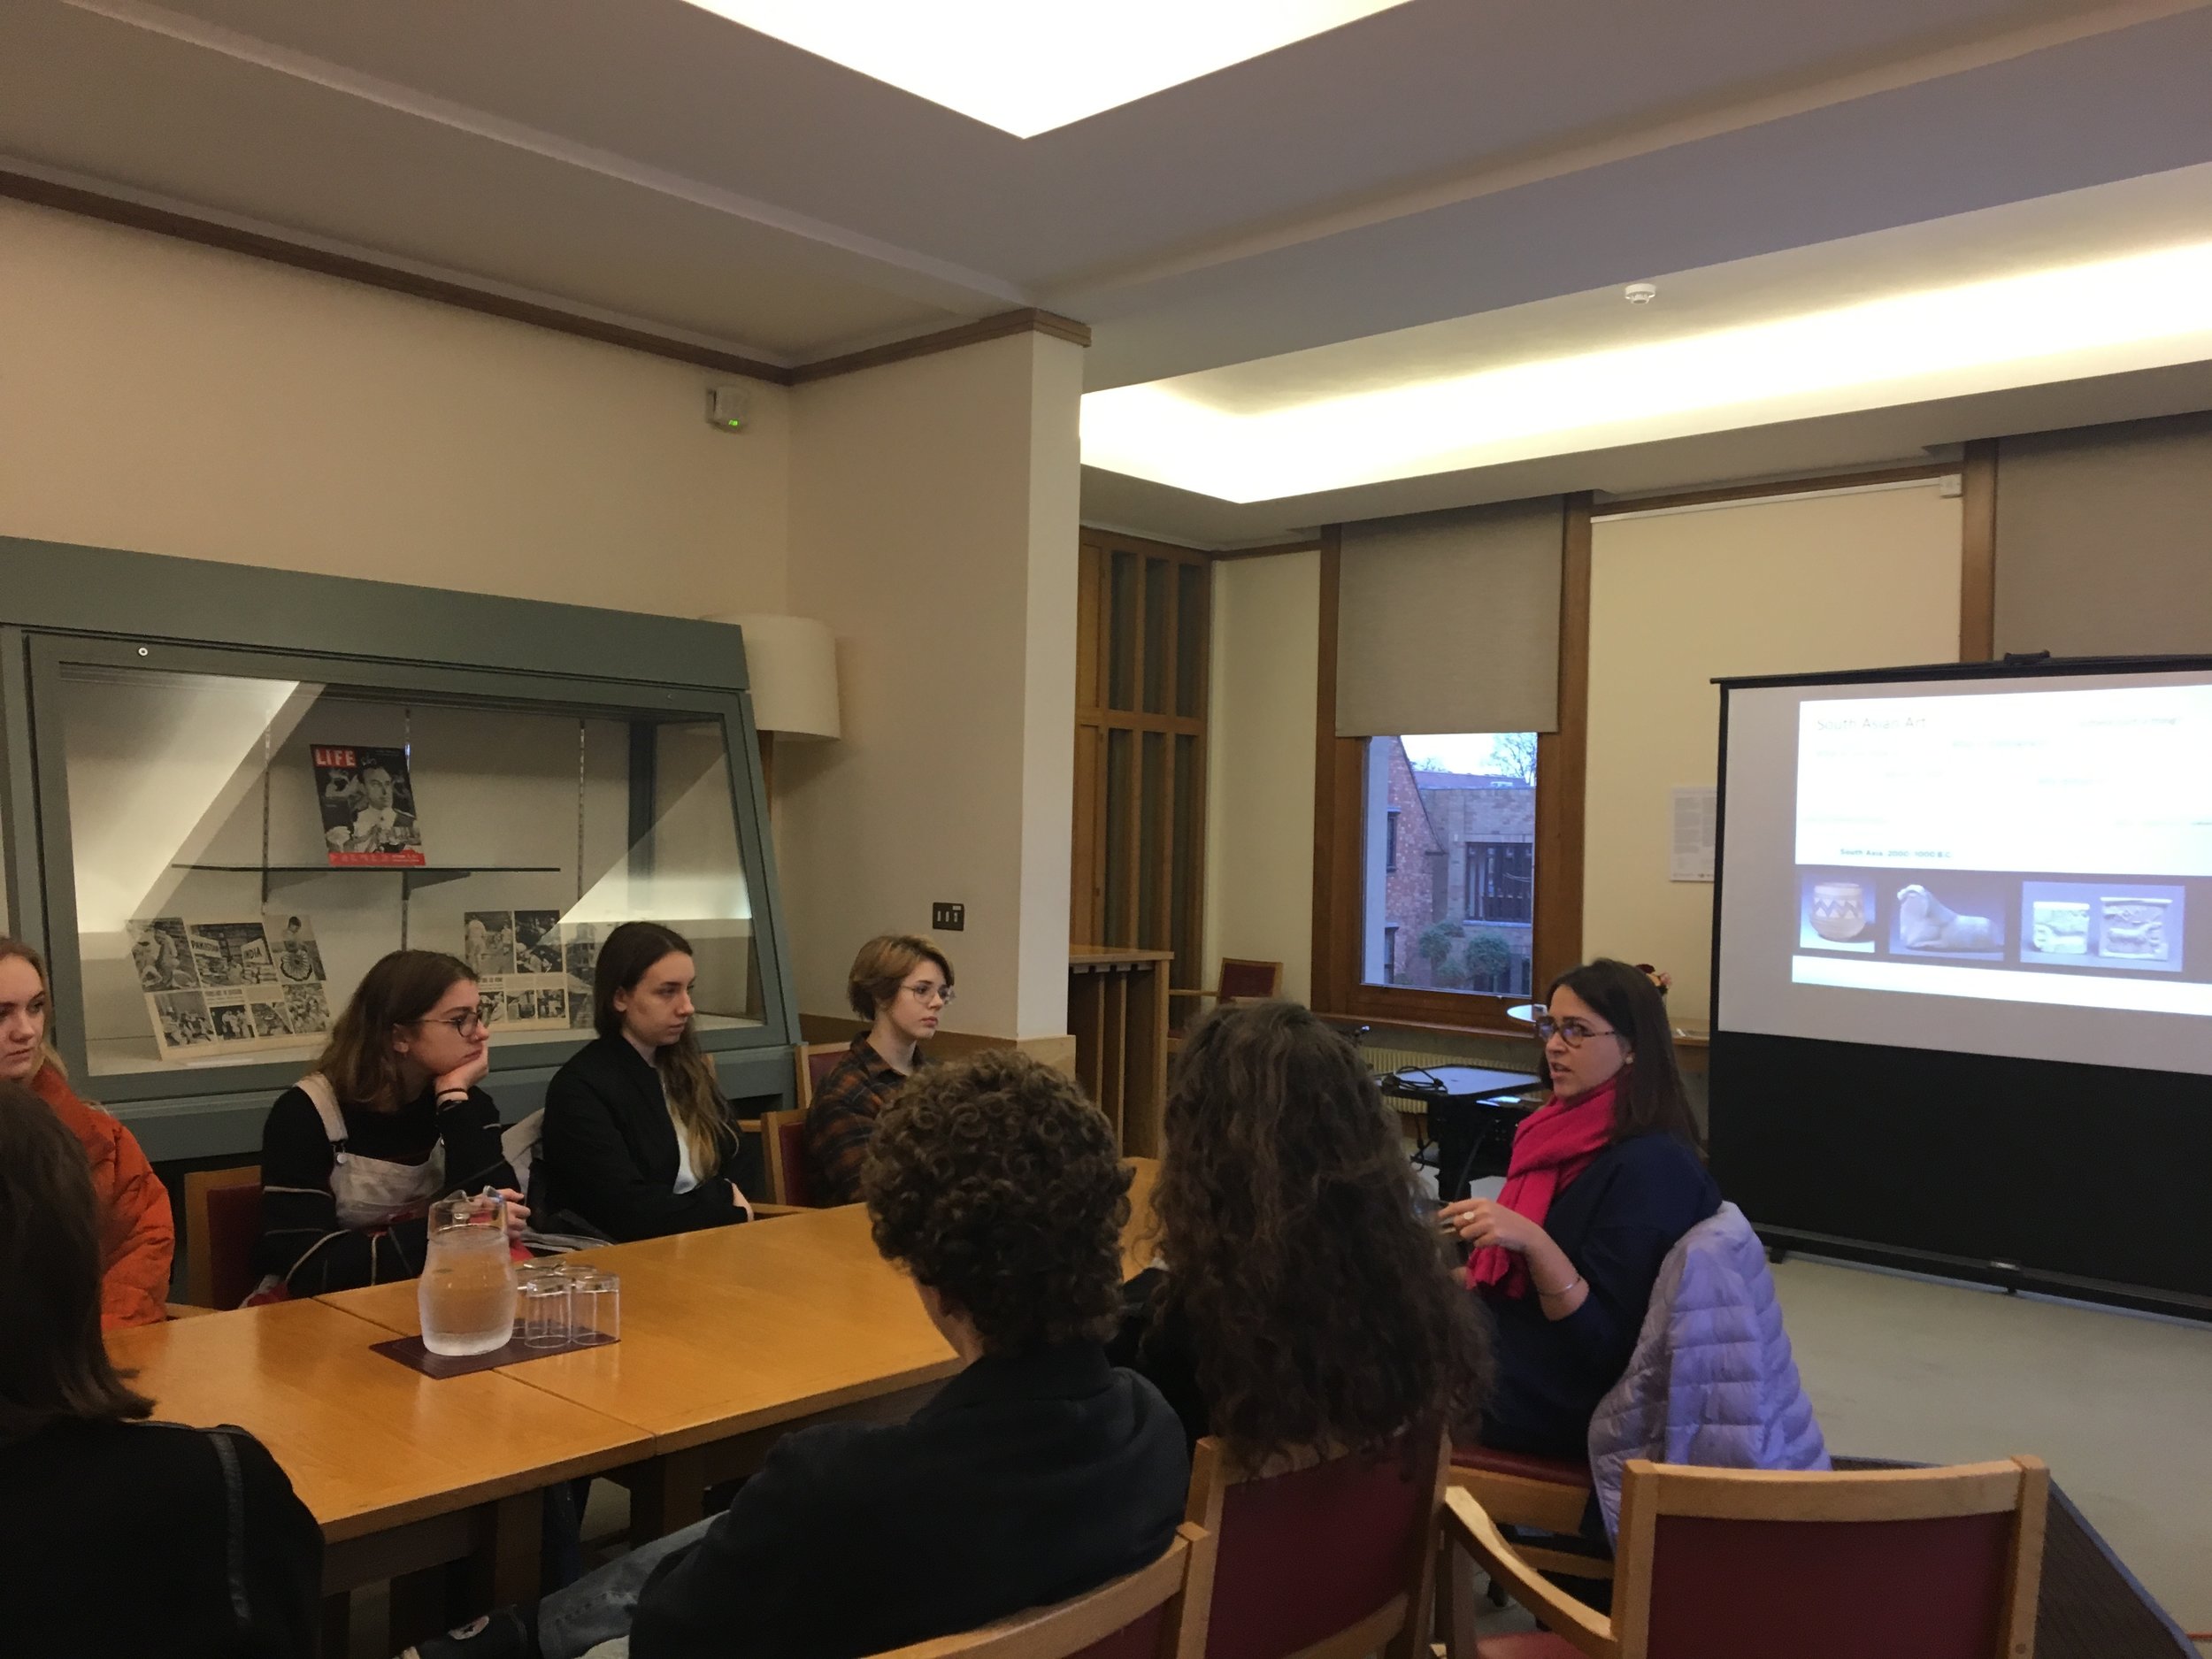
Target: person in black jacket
[(1037, 1473), (121, 1536), (638, 1141), (393, 1115), (1602, 1183)]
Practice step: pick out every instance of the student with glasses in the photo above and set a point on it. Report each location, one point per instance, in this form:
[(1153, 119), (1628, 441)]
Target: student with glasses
[(1603, 1182), (392, 1116), (639, 1141), (901, 985)]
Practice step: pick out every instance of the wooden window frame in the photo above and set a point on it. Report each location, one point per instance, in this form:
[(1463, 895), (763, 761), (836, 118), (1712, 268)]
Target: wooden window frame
[(1561, 756)]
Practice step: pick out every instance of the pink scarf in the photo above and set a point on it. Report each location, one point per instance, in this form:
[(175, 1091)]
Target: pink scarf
[(1554, 1145)]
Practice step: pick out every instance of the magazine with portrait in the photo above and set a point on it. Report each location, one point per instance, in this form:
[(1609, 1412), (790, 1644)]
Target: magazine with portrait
[(366, 796)]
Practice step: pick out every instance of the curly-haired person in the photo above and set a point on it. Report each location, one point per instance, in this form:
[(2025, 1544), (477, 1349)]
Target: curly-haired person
[(1304, 1302), (1037, 1472)]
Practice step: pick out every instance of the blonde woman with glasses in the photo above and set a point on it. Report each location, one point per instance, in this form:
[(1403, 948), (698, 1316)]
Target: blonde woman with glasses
[(393, 1115), (901, 985)]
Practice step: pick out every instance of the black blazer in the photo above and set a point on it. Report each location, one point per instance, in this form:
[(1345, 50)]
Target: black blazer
[(151, 1539), (607, 1148), (1026, 1480)]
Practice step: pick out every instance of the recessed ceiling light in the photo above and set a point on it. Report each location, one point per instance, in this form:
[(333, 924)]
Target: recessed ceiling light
[(2146, 311), (1027, 67)]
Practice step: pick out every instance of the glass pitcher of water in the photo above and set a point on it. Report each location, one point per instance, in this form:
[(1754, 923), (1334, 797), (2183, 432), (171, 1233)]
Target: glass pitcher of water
[(466, 1295)]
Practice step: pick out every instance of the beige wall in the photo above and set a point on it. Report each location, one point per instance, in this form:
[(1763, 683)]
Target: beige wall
[(2104, 539), (1794, 584), (933, 525), (1259, 771), (174, 399)]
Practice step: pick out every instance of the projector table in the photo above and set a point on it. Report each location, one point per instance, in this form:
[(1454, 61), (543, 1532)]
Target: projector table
[(1472, 1127)]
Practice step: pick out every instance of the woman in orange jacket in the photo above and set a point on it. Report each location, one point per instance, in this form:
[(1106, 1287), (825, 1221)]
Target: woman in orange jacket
[(137, 1237)]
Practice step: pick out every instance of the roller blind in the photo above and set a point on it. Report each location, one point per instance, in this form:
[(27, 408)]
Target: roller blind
[(1449, 621), (2104, 538)]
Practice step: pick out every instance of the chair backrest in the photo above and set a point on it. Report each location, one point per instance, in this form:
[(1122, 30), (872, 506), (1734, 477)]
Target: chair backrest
[(222, 1224), (814, 1061), (1243, 981), (1327, 1557), (1910, 1563), (1156, 1612), (783, 1140)]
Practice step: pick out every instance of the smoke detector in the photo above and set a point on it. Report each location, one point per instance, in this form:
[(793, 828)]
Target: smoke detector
[(1640, 293)]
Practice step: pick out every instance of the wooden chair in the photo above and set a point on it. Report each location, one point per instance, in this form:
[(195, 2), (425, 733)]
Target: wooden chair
[(222, 1224), (1241, 979), (1733, 1563), (1156, 1612), (812, 1062), (1322, 1558), (1544, 1495), (783, 1138)]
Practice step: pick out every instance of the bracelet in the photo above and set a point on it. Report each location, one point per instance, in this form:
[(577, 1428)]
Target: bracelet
[(1566, 1289)]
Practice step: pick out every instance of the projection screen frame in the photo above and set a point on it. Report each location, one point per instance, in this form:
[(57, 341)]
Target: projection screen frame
[(1784, 1231)]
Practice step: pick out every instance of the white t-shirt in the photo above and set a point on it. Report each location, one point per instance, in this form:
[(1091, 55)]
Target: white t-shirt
[(687, 1177)]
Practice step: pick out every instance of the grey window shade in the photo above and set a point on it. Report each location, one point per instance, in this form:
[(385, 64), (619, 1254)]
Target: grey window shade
[(2104, 539), (1449, 621)]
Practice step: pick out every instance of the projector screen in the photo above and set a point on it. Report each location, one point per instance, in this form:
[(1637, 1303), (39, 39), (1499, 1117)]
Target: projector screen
[(2016, 866), (1963, 972)]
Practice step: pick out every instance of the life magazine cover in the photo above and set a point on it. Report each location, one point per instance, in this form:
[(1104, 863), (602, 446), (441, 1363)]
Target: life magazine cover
[(531, 968), (222, 985), (367, 799)]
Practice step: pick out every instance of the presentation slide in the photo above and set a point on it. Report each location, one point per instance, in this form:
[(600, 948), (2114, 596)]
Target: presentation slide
[(2018, 866)]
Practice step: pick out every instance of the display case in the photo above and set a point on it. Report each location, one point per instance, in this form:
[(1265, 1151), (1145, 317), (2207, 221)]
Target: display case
[(227, 835)]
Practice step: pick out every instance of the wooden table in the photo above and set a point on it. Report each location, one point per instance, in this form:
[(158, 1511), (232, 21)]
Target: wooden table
[(402, 1472)]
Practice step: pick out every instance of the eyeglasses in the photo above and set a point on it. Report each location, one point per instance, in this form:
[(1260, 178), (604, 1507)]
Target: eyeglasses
[(940, 995), (1573, 1033), (465, 1023)]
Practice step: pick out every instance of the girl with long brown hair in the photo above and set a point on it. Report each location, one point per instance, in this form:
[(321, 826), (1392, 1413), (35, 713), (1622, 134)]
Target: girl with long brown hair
[(138, 1236), (121, 1536), (1304, 1302), (639, 1141), (392, 1115), (1602, 1183)]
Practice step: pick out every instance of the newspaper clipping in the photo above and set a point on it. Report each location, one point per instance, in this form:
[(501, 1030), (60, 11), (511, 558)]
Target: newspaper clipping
[(531, 968), (221, 985)]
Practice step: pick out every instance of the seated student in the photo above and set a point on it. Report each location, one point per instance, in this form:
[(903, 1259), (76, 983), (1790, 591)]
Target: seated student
[(390, 1118), (1037, 1473), (900, 984), (137, 1237), (1304, 1302), (118, 1536), (1602, 1183), (638, 1141)]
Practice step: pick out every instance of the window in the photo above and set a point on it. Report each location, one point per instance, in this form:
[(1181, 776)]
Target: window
[(1450, 828)]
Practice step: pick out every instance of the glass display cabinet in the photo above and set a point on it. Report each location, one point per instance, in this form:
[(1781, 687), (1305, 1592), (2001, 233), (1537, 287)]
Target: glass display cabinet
[(226, 836)]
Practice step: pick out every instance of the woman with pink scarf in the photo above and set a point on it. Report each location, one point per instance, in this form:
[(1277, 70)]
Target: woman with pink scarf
[(1604, 1181)]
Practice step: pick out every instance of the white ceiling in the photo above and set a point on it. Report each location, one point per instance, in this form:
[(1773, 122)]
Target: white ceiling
[(1500, 163)]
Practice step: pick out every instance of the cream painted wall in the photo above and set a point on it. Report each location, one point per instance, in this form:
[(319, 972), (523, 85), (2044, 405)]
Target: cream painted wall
[(1864, 579), (174, 399), (933, 525), (1259, 764)]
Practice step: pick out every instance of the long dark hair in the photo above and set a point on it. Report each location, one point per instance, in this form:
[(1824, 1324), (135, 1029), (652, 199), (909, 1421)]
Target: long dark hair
[(687, 1074), (1650, 1099), (398, 991), (1323, 1309), (53, 1365)]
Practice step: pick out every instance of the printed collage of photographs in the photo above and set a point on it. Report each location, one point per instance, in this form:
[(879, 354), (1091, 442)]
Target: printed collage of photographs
[(2116, 924), (228, 984), (531, 968)]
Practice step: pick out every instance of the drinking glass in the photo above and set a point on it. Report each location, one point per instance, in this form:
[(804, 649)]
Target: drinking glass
[(545, 1318), (466, 1295), (597, 1298)]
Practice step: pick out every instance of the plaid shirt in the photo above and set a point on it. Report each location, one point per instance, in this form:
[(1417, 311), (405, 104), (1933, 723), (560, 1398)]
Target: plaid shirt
[(842, 1120)]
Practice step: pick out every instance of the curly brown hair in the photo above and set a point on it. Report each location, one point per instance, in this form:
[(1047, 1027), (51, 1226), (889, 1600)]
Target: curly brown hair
[(1322, 1307), (997, 1185)]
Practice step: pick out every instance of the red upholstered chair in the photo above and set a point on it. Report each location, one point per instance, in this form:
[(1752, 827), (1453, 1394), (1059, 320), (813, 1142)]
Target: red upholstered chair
[(222, 1223), (783, 1138), (1544, 1495), (813, 1062), (1732, 1564), (1325, 1558)]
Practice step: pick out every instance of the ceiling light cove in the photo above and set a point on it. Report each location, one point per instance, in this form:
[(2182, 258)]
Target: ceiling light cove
[(2146, 311), (1027, 68)]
